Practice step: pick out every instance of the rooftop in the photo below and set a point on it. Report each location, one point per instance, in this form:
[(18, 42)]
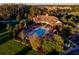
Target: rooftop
[(51, 20)]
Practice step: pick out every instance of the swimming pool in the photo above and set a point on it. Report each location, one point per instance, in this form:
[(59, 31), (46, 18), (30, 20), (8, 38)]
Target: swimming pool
[(40, 32)]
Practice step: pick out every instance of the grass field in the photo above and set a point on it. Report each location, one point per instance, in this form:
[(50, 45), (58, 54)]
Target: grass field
[(9, 46)]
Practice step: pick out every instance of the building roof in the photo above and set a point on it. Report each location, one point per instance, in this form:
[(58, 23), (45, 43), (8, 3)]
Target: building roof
[(51, 20)]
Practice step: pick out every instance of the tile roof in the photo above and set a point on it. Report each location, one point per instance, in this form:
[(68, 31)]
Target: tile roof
[(51, 20)]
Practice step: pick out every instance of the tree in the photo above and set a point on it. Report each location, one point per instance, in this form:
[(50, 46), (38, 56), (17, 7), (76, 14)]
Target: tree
[(9, 28), (47, 46), (59, 43), (51, 45), (31, 12), (18, 18)]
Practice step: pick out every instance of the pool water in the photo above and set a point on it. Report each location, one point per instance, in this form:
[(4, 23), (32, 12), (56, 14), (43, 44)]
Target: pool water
[(40, 32)]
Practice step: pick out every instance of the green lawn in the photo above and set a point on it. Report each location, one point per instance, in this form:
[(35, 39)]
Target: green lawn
[(9, 46)]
